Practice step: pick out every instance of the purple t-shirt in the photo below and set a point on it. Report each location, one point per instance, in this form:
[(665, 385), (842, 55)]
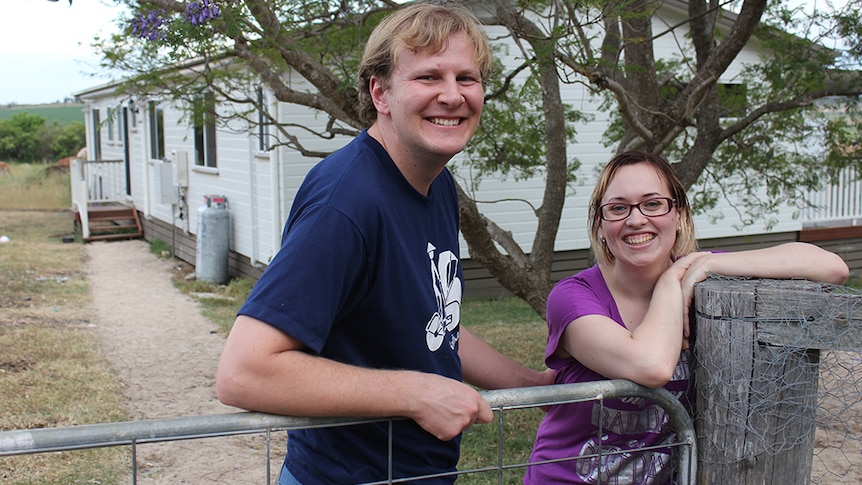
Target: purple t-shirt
[(571, 430)]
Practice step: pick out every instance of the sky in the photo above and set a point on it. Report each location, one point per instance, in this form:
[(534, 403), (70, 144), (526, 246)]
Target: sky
[(45, 50)]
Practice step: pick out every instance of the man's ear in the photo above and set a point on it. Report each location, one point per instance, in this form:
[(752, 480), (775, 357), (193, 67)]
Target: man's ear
[(378, 95)]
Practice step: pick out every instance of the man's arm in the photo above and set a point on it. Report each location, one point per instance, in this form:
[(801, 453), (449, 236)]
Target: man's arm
[(263, 369), (485, 367)]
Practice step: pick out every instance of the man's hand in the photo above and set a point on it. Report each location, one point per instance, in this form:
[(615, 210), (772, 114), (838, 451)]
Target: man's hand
[(446, 407)]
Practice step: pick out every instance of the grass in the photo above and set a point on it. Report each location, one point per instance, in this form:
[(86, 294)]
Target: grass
[(51, 373), (33, 186), (62, 113), (513, 328)]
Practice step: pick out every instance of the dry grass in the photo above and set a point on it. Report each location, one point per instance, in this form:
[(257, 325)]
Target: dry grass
[(51, 373), (35, 186)]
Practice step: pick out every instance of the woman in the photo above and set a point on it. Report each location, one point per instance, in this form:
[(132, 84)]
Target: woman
[(626, 318)]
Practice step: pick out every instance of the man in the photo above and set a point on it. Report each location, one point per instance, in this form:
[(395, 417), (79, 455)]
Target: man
[(359, 312)]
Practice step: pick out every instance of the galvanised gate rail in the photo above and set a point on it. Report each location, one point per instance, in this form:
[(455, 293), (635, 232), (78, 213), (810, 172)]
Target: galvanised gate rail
[(132, 433)]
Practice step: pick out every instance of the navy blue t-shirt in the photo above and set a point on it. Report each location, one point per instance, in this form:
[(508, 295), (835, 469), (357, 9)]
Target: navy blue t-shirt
[(368, 274)]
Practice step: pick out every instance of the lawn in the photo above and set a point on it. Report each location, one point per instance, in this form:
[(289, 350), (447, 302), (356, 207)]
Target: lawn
[(34, 187), (51, 373)]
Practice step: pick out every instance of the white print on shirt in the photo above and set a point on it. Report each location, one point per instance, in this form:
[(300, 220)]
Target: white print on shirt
[(682, 369), (650, 419), (617, 465), (447, 289)]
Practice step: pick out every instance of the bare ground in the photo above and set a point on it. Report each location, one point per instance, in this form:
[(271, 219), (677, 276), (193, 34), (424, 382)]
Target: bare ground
[(165, 354)]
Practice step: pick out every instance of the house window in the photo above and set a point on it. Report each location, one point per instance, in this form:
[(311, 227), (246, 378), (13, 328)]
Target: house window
[(733, 100), (110, 123), (133, 115), (120, 123), (97, 135), (263, 121), (157, 131), (205, 133)]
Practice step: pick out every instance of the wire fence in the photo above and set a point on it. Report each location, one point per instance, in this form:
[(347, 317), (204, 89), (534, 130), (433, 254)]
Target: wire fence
[(779, 387), (135, 433)]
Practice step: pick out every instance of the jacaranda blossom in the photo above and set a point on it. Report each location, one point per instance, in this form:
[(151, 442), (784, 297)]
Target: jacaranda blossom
[(152, 25), (149, 26), (199, 12)]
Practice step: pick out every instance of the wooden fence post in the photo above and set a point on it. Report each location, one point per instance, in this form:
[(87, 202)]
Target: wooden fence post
[(757, 345)]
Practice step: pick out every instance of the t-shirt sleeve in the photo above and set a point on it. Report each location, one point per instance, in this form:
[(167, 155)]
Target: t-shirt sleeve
[(573, 297), (309, 282)]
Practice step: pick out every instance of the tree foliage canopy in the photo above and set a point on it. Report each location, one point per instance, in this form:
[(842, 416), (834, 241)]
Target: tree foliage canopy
[(734, 137), (29, 138)]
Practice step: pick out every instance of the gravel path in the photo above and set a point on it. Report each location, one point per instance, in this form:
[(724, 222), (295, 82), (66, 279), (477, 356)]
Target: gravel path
[(165, 354)]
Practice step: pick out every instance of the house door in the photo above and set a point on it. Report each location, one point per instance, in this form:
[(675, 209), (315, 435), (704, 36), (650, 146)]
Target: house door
[(126, 150), (264, 196)]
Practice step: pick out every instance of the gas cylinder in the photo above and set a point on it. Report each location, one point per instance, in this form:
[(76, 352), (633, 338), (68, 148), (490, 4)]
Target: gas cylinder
[(213, 240)]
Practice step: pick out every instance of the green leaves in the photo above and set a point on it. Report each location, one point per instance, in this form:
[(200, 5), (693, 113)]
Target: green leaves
[(29, 138)]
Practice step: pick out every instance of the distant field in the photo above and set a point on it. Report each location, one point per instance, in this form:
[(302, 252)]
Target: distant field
[(63, 113)]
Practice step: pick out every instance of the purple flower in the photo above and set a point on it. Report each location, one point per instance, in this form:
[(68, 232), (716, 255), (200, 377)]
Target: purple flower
[(199, 12), (149, 25)]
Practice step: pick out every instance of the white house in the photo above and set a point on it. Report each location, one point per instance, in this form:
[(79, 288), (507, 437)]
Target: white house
[(143, 153)]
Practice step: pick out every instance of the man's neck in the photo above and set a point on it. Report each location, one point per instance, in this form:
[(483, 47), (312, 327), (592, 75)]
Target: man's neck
[(418, 173)]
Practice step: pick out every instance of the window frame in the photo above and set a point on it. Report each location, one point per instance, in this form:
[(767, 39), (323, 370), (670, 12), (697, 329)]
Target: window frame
[(156, 119), (97, 134), (204, 125), (263, 121)]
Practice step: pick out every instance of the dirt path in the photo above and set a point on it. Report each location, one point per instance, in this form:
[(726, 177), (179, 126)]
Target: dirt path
[(165, 354)]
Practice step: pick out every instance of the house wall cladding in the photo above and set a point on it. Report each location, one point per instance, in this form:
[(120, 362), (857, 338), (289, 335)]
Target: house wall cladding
[(260, 184), (846, 242)]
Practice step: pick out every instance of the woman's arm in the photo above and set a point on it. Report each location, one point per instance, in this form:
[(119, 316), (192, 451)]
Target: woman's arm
[(789, 260), (648, 354)]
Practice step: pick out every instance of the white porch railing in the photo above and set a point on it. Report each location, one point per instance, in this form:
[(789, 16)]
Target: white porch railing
[(94, 182), (840, 202)]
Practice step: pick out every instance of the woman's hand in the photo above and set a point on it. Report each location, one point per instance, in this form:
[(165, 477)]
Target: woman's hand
[(688, 270)]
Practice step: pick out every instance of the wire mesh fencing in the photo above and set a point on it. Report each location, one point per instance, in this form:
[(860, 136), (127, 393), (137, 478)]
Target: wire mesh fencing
[(499, 466), (778, 381), (777, 388)]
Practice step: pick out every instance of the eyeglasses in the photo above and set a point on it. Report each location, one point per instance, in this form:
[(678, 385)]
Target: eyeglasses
[(617, 211)]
